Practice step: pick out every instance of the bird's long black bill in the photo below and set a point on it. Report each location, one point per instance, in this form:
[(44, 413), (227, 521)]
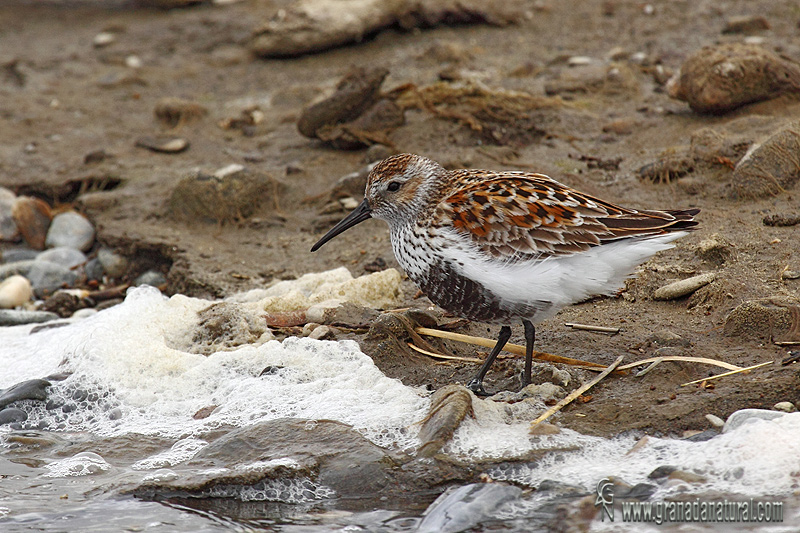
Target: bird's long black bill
[(359, 214)]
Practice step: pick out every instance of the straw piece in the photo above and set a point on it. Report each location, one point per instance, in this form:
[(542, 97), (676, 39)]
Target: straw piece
[(732, 372), (705, 360), (589, 327)]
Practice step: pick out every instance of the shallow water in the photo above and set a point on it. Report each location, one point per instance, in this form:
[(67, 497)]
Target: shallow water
[(125, 414)]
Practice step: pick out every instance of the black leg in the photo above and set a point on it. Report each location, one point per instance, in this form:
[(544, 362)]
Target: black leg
[(530, 338), (476, 385)]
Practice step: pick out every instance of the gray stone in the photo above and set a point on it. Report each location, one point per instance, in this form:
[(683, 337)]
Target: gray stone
[(17, 317), (8, 228), (47, 277), (14, 255), (466, 507), (12, 414), (152, 278), (114, 265), (33, 389), (94, 270), (332, 453), (17, 267), (64, 256), (72, 230), (747, 416)]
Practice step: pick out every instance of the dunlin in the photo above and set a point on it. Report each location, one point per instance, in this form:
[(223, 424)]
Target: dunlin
[(493, 246)]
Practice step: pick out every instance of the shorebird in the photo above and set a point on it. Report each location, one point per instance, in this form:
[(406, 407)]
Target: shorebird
[(494, 246)]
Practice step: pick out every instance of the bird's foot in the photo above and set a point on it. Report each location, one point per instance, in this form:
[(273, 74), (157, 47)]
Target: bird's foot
[(524, 381), (476, 386)]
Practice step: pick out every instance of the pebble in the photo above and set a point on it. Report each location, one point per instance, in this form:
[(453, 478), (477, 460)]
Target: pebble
[(133, 61), (94, 270), (746, 24), (683, 287), (321, 333), (14, 291), (579, 61), (688, 477), (746, 416), (114, 265), (63, 255), (32, 217), (715, 420), (84, 313), (19, 254), (103, 39), (152, 278), (661, 472), (786, 407), (47, 277), (12, 414), (33, 389), (72, 230), (8, 228), (665, 337), (17, 267), (162, 144), (17, 317)]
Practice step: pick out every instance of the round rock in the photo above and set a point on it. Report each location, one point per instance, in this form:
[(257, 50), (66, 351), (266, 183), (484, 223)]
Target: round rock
[(8, 228), (14, 255), (152, 278), (16, 317), (72, 230), (14, 291), (786, 407), (114, 265), (94, 270), (47, 277), (64, 256), (12, 414)]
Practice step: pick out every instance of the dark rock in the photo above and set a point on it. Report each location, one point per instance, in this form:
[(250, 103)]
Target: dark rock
[(449, 406), (640, 491), (661, 472), (17, 317), (93, 270), (354, 116), (12, 414), (331, 453), (33, 389), (466, 507)]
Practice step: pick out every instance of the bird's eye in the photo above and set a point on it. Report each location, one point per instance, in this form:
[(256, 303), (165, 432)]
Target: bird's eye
[(393, 186)]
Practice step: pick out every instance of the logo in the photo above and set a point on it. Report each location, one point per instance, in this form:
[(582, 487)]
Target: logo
[(605, 497)]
